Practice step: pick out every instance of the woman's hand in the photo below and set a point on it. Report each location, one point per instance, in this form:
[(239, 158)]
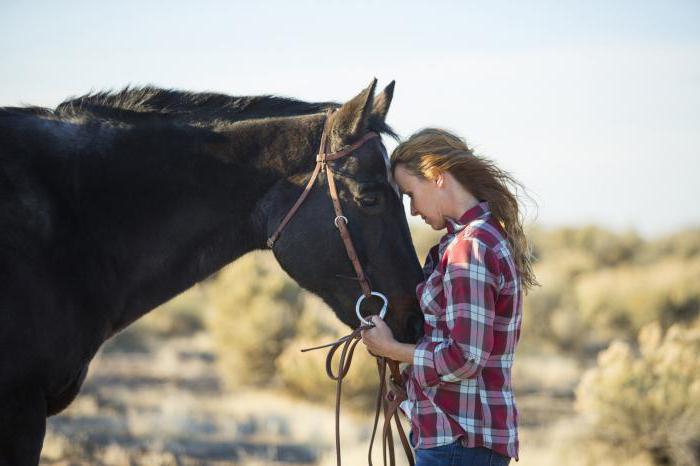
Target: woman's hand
[(379, 340)]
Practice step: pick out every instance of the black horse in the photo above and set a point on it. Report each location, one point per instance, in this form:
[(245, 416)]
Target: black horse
[(115, 202)]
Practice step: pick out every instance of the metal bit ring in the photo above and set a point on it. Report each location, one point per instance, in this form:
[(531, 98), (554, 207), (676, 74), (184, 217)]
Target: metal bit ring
[(382, 313)]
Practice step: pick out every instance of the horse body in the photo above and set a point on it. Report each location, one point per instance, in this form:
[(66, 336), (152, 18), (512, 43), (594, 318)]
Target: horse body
[(109, 209)]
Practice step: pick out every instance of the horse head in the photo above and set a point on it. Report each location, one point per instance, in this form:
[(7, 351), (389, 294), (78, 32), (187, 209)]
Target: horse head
[(310, 248)]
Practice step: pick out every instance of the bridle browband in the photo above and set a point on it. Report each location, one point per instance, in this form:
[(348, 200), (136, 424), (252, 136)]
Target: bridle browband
[(388, 398)]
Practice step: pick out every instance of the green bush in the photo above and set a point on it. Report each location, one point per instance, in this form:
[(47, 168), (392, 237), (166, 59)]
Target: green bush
[(647, 401)]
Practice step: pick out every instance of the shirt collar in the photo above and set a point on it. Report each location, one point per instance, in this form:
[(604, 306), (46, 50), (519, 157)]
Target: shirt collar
[(478, 211)]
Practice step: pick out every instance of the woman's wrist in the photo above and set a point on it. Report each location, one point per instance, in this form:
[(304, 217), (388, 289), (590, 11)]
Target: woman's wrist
[(402, 352)]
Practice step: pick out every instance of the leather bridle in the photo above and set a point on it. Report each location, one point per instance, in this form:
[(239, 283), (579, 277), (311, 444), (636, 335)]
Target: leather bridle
[(340, 220), (388, 400)]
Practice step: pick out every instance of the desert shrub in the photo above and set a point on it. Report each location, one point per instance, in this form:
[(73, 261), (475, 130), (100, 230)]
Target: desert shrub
[(317, 320), (550, 315), (304, 375), (606, 247), (181, 316), (598, 285), (130, 340), (618, 302), (684, 244), (253, 311), (647, 400), (423, 238), (260, 319)]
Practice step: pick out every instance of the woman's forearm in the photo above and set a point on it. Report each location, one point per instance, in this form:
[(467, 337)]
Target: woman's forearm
[(403, 352)]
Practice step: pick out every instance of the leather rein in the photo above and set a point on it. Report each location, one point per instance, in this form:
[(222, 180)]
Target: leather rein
[(388, 398)]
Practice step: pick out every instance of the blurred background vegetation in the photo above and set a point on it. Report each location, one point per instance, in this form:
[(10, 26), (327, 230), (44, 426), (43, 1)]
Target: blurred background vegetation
[(607, 371)]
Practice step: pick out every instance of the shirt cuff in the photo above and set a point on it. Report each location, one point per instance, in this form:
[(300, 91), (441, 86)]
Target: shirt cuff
[(469, 369)]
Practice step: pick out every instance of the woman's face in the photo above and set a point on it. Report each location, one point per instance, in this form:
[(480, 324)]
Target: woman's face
[(424, 195)]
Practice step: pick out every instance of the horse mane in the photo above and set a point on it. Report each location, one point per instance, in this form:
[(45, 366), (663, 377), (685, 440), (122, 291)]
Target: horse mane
[(193, 107), (206, 109)]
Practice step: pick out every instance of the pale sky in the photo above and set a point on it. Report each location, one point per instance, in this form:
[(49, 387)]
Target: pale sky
[(594, 106)]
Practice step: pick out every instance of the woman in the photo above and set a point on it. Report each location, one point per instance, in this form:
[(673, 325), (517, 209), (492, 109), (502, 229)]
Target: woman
[(460, 399)]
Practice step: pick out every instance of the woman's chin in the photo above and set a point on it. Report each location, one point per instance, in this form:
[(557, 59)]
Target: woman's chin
[(438, 227)]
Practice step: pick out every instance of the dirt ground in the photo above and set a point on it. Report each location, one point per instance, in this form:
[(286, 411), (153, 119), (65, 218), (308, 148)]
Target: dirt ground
[(164, 404)]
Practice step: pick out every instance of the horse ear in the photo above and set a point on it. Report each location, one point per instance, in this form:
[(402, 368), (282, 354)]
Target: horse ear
[(351, 120), (382, 102)]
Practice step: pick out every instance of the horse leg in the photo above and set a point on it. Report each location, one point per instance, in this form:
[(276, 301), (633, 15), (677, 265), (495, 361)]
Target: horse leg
[(22, 427)]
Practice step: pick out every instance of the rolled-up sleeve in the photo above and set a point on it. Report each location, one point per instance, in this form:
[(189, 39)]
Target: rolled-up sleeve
[(470, 284)]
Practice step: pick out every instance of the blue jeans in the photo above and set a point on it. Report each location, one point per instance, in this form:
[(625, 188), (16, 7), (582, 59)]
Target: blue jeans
[(455, 454)]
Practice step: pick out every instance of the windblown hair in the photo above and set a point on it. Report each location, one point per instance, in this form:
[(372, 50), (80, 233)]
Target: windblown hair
[(432, 151)]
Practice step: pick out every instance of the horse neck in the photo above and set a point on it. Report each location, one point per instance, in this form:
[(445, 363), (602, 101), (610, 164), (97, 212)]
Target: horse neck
[(170, 206)]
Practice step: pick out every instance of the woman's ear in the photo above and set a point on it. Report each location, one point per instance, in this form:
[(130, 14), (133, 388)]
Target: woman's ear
[(440, 180)]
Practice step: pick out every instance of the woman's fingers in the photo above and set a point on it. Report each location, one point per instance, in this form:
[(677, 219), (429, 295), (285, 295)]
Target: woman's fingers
[(377, 337)]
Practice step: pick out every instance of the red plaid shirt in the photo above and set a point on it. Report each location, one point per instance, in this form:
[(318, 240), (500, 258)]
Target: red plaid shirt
[(460, 382)]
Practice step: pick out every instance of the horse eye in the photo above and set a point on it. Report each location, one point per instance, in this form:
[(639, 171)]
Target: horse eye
[(369, 201)]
